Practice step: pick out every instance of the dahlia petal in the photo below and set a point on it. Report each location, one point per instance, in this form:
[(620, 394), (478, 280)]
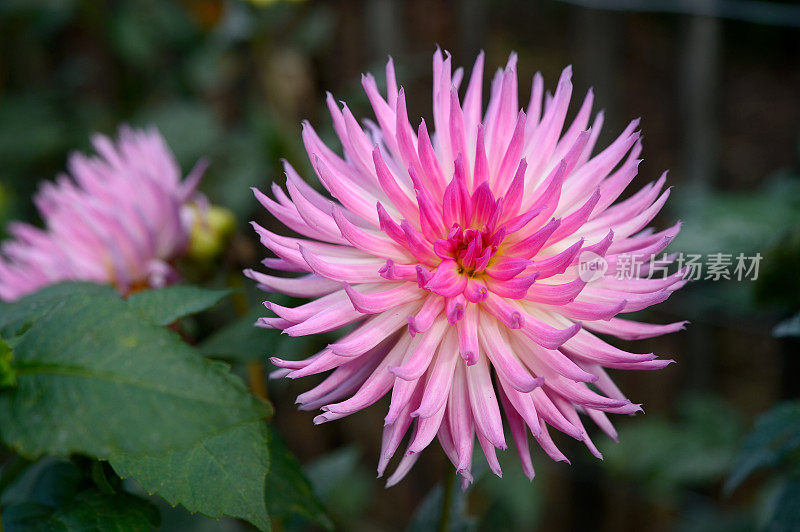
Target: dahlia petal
[(481, 161), (547, 445), (458, 134), (403, 393), (601, 420), (392, 437), (555, 294), (341, 386), (482, 233), (505, 362), (546, 335), (490, 454), (343, 272), (288, 216), (376, 385), (335, 383), (272, 323), (427, 428), (323, 321), (647, 365), (511, 159), (406, 139), (430, 162), (397, 196), (548, 193), (468, 335), (326, 361), (510, 316), (476, 291), (303, 312), (584, 310), (506, 268), (483, 401), (459, 419), (515, 192), (447, 281), (417, 244), (579, 393), (544, 362), (472, 98), (320, 221), (354, 197), (376, 329), (587, 346), (367, 241), (548, 412), (518, 434), (523, 404), (544, 139), (631, 330), (454, 308), (402, 470), (424, 319), (384, 112), (572, 416), (421, 353), (573, 222), (429, 212), (439, 378), (306, 286), (372, 303), (531, 245), (515, 288)]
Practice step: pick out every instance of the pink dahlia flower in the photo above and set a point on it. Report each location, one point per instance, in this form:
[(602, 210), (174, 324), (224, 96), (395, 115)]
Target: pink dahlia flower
[(456, 258), (121, 218)]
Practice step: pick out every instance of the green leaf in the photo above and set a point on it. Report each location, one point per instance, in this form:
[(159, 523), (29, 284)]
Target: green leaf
[(660, 456), (775, 436), (288, 489), (61, 498), (786, 515), (89, 511), (329, 473), (8, 377), (788, 327), (93, 377), (221, 474), (242, 340), (733, 222), (16, 316), (428, 515), (165, 305)]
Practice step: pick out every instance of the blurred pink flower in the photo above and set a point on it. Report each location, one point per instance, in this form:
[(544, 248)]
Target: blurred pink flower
[(457, 257), (119, 218)]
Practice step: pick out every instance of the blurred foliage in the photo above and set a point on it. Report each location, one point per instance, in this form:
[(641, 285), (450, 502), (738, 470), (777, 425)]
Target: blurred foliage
[(114, 393), (765, 221), (200, 71), (736, 222), (662, 457), (290, 492), (773, 444), (428, 515), (330, 473), (61, 496), (789, 327), (230, 80)]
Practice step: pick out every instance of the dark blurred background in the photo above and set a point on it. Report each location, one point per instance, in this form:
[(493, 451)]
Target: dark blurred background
[(717, 84)]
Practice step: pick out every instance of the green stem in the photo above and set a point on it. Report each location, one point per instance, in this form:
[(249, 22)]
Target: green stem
[(447, 499)]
